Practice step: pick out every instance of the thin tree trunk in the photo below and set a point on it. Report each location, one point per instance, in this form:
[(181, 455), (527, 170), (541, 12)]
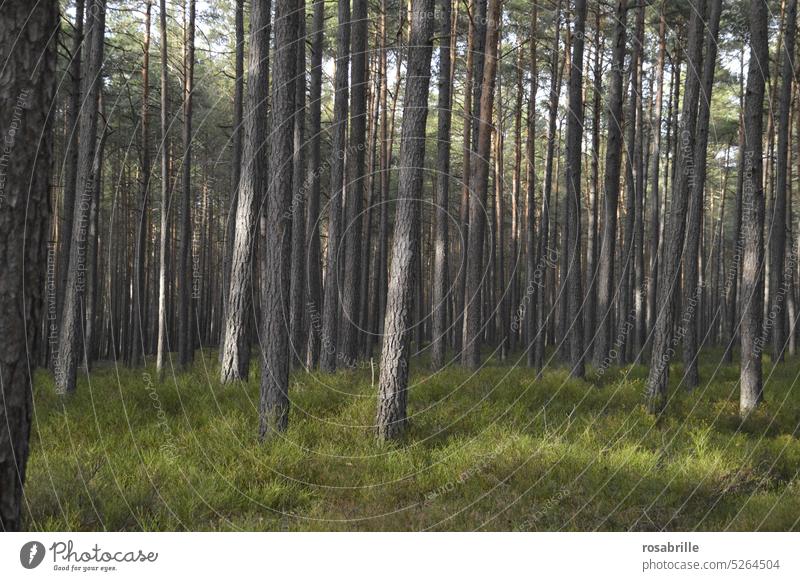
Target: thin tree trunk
[(778, 289), (533, 288), (330, 313), (163, 333), (441, 248)]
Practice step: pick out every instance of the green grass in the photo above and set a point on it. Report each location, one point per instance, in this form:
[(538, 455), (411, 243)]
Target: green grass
[(498, 450)]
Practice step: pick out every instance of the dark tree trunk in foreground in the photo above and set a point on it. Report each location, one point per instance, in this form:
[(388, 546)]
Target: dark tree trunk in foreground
[(608, 243), (778, 289), (274, 402), (669, 267), (28, 39), (330, 309), (313, 254), (185, 279), (392, 395), (71, 325), (694, 219), (441, 242), (574, 156), (236, 356), (752, 291), (479, 183)]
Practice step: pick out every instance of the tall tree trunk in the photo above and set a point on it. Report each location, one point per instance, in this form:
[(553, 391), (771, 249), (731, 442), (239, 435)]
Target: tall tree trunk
[(236, 355), (533, 286), (139, 298), (441, 248), (71, 326), (185, 278), (314, 296), (163, 333), (592, 246), (330, 313), (626, 315), (392, 396), (655, 159), (28, 41), (70, 156), (236, 168), (691, 284), (274, 400), (777, 288), (298, 206), (608, 243), (479, 183), (752, 291), (572, 172), (356, 165), (669, 267)]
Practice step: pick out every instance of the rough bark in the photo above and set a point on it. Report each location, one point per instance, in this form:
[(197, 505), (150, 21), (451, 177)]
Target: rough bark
[(392, 395), (479, 182), (694, 219), (236, 356), (71, 324), (28, 40), (669, 273), (752, 286), (611, 186)]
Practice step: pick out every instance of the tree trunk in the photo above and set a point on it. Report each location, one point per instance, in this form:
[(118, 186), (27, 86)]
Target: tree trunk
[(330, 313), (163, 333), (314, 296), (298, 205), (236, 168), (669, 267), (186, 305), (527, 308), (274, 400), (608, 243), (691, 284), (752, 291), (479, 183), (236, 355), (139, 298), (574, 155), (441, 248), (70, 333), (392, 396), (777, 240), (28, 41)]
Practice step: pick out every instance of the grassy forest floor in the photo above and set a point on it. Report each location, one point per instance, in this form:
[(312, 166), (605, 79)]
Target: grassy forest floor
[(497, 450)]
